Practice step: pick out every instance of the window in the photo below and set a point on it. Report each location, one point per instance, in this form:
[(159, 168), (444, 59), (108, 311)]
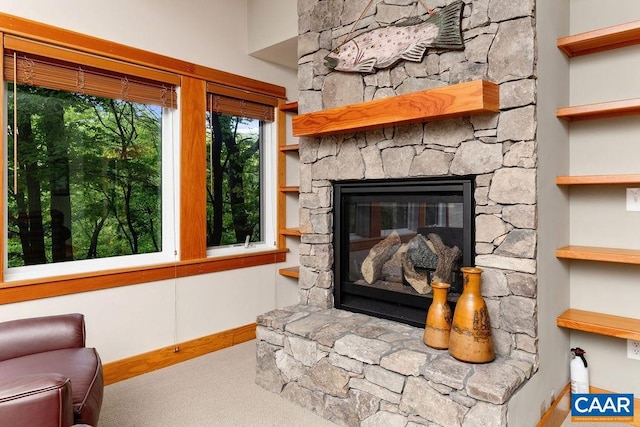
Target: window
[(240, 141), (70, 90), (90, 162)]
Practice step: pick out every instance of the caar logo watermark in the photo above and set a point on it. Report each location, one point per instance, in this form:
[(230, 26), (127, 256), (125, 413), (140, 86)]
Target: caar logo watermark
[(602, 407)]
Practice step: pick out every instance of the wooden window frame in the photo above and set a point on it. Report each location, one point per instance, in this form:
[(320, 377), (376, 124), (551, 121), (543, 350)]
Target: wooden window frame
[(241, 104), (193, 87)]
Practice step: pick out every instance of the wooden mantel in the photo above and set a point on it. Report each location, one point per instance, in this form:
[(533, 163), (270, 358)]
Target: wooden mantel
[(463, 99)]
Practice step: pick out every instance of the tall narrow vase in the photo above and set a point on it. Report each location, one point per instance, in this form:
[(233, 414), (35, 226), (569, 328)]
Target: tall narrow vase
[(438, 325), (470, 339)]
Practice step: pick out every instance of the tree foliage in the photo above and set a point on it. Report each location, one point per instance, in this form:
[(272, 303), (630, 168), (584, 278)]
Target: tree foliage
[(88, 174), (88, 178), (233, 172)]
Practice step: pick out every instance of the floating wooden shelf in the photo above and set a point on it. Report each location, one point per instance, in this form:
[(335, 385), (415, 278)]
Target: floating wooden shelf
[(290, 147), (290, 189), (627, 107), (464, 99), (599, 323), (290, 107), (284, 190), (594, 253), (597, 179), (290, 232), (600, 40), (290, 272)]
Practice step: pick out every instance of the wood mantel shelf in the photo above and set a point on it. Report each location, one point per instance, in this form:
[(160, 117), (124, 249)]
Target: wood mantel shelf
[(463, 99), (600, 40), (595, 253), (599, 323)]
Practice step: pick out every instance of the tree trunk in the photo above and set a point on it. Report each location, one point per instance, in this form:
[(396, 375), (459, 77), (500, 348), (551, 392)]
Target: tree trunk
[(92, 253), (217, 171), (58, 167), (241, 224), (127, 189), (32, 231)]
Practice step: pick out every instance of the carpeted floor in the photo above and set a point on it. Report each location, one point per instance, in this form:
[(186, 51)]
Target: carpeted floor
[(217, 389)]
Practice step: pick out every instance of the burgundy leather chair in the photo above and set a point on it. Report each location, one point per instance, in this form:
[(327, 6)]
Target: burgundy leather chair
[(47, 375)]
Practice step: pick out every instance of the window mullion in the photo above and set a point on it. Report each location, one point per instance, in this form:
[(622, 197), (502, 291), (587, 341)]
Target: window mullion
[(193, 170)]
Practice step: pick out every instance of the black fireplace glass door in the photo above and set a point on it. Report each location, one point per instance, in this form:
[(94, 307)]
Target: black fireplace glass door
[(387, 238)]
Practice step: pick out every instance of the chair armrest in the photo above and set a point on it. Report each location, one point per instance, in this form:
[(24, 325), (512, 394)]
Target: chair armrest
[(36, 335), (40, 400)]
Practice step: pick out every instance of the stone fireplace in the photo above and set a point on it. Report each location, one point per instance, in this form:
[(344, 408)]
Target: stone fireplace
[(359, 369)]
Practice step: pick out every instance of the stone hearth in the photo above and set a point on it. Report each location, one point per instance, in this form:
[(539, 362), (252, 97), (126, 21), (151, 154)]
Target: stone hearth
[(366, 371), (358, 370)]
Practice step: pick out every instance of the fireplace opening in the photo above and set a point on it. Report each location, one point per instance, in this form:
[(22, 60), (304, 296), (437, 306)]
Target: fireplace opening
[(393, 238)]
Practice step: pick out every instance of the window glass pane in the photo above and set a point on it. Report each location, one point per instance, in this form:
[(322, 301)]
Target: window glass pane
[(234, 146), (88, 177)]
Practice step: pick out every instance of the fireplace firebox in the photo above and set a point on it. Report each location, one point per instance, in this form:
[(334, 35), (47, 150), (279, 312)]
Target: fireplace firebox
[(392, 238)]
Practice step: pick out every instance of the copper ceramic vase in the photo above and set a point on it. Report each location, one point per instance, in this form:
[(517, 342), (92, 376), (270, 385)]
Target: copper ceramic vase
[(470, 339), (438, 325)]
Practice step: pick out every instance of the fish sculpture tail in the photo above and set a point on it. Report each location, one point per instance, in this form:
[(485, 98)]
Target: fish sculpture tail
[(448, 22)]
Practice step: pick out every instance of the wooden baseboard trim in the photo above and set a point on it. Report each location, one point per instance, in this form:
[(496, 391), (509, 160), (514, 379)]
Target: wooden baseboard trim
[(148, 362), (561, 408)]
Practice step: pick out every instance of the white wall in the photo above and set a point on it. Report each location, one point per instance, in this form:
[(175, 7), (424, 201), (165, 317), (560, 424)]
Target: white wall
[(528, 405), (583, 216), (212, 33), (273, 31), (598, 214), (270, 22), (131, 320)]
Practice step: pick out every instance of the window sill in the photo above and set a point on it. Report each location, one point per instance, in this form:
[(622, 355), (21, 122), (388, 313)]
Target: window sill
[(26, 290)]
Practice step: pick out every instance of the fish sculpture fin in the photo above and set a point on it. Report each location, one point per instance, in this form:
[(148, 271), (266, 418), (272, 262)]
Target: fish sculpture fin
[(365, 66), (415, 53), (408, 22), (448, 22)]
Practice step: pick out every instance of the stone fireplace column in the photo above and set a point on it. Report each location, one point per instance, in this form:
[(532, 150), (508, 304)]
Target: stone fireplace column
[(499, 150), (361, 370)]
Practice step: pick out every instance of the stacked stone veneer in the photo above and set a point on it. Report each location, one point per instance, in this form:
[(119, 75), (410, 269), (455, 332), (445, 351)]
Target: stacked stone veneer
[(498, 150), (357, 370)]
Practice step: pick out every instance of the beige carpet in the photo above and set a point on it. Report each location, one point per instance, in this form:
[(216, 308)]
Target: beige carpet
[(217, 389)]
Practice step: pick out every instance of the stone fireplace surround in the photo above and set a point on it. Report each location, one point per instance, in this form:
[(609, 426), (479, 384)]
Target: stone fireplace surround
[(358, 370)]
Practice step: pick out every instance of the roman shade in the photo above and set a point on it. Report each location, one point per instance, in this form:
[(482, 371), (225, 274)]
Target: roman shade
[(236, 102), (38, 64)]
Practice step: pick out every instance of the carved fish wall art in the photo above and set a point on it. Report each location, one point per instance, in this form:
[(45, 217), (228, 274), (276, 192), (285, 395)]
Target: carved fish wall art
[(383, 47)]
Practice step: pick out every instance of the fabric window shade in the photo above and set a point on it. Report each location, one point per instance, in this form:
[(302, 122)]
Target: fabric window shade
[(37, 70), (224, 100)]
